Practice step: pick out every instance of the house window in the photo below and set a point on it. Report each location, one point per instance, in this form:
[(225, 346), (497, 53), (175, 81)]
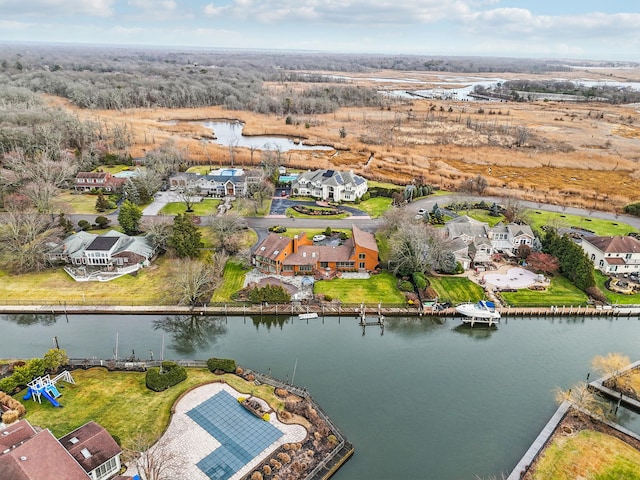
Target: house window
[(361, 265), (305, 268), (106, 469), (627, 256), (593, 257), (601, 263), (362, 256), (324, 264), (287, 268)]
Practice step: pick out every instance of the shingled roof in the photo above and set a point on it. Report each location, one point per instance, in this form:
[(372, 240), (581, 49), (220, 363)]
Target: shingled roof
[(91, 445), (614, 244)]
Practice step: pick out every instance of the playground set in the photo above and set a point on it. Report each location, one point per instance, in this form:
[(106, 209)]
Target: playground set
[(46, 387)]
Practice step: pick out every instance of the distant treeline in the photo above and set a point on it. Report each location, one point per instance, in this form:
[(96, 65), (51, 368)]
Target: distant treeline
[(130, 78), (517, 89)]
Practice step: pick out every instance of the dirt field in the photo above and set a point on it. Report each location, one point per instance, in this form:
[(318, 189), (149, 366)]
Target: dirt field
[(584, 154)]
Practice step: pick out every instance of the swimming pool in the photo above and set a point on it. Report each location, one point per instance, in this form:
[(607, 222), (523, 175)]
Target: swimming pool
[(287, 178)]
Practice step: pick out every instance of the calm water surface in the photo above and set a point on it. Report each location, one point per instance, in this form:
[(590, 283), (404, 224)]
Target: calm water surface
[(425, 400)]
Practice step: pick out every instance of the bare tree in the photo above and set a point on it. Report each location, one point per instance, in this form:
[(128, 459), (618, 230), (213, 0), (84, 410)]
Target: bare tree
[(226, 227), (409, 250), (190, 195), (42, 194), (584, 400), (258, 192), (154, 462), (24, 236), (158, 231), (233, 144), (610, 366), (195, 281), (513, 210)]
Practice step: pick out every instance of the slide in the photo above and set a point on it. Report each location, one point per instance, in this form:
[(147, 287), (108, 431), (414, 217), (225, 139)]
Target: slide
[(53, 401), (53, 391), (28, 395)]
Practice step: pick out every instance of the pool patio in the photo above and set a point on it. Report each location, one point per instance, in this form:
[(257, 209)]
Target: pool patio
[(514, 277), (212, 436)]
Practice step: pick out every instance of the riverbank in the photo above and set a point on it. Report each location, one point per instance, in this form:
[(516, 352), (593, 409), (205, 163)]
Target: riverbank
[(325, 310)]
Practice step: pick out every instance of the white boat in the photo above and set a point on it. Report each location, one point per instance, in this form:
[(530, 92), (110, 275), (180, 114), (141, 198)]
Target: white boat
[(307, 316), (480, 312)]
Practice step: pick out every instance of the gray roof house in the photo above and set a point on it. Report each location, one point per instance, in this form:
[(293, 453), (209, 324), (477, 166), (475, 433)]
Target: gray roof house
[(485, 241), (103, 257), (331, 185), (217, 183)]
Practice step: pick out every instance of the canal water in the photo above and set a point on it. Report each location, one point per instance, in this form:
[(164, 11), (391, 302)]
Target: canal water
[(427, 399)]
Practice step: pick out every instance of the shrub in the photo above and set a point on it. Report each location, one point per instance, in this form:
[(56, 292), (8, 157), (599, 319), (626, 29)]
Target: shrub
[(284, 415), (596, 294), (171, 375), (227, 365), (269, 293), (420, 280), (102, 221), (9, 417), (366, 196), (267, 470), (83, 225), (284, 457), (633, 209), (327, 231), (406, 286), (256, 476)]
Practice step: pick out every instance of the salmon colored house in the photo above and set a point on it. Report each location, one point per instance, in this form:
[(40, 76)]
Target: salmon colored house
[(280, 255)]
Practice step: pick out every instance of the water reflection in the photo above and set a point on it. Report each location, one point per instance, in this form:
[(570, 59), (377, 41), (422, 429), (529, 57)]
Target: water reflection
[(410, 326), (191, 333), (269, 321), (478, 332), (28, 319)]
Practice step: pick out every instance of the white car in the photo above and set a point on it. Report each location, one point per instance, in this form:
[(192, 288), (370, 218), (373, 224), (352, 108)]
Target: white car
[(319, 238)]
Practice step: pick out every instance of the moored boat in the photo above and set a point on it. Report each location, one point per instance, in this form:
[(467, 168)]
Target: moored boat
[(480, 312)]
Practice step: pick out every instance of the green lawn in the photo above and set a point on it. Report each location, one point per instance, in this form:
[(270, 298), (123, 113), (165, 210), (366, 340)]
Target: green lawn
[(374, 184), (208, 206), (233, 280), (291, 232), (560, 292), (246, 208), (292, 213), (379, 288), (375, 207), (538, 218), (151, 286), (120, 402), (68, 202), (456, 289), (201, 169), (612, 297), (483, 216), (589, 455), (113, 169)]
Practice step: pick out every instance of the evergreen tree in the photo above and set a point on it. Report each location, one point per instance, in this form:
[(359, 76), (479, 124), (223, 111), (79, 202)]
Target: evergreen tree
[(129, 217), (102, 203), (185, 237)]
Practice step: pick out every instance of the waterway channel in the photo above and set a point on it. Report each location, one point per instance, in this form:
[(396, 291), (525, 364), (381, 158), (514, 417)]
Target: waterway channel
[(427, 399)]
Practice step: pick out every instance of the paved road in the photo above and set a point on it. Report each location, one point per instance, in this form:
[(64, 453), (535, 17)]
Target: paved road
[(371, 225)]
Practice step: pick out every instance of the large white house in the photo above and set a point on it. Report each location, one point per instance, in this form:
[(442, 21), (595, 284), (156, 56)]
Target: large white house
[(613, 255), (331, 185)]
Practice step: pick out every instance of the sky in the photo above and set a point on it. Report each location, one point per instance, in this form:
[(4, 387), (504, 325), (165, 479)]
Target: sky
[(579, 29)]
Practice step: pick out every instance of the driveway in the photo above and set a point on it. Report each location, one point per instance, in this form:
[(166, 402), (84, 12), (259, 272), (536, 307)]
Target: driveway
[(279, 207), (160, 199)]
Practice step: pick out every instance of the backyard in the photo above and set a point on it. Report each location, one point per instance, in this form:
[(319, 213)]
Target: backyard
[(612, 297), (379, 288), (233, 280), (560, 292), (121, 402), (456, 289), (537, 218), (208, 206)]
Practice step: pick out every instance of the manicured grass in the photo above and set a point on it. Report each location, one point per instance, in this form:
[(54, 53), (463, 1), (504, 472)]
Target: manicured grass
[(483, 216), (379, 288), (538, 218), (588, 454), (246, 208), (201, 169), (233, 280), (292, 213), (456, 289), (560, 292), (375, 207), (121, 402), (208, 206), (113, 169), (69, 203), (613, 297), (151, 286), (374, 184)]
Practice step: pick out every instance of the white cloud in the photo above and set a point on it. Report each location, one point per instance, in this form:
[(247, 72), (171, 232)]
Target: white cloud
[(153, 5), (212, 11), (94, 8)]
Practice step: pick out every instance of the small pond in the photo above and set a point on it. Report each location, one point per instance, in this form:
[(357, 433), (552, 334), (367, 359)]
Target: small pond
[(230, 133)]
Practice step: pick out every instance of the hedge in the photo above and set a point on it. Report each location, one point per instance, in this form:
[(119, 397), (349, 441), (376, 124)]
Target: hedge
[(171, 375), (227, 365)]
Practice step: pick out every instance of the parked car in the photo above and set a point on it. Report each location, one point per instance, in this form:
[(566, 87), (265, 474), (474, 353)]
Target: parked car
[(319, 238)]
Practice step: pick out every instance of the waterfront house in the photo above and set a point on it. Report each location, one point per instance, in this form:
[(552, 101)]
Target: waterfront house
[(330, 185), (301, 256), (94, 449), (103, 257), (484, 241), (612, 255), (29, 455), (88, 181)]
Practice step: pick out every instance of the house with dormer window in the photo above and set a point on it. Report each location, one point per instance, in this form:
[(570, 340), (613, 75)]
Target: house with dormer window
[(613, 255), (330, 185)]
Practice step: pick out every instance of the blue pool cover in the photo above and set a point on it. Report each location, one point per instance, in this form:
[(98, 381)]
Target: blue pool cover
[(242, 435)]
